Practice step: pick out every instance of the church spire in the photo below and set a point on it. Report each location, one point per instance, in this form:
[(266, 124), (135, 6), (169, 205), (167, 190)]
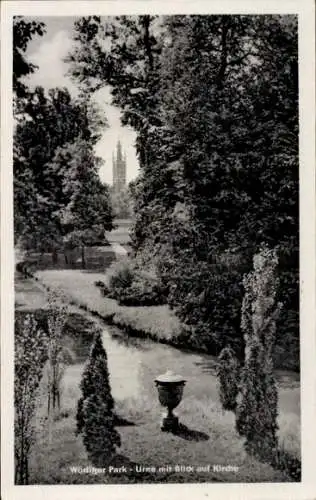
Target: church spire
[(119, 151), (119, 167)]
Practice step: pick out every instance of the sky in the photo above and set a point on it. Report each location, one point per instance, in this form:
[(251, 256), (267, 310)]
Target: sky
[(47, 52)]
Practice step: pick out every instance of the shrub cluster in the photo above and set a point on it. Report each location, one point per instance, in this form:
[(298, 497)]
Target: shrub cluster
[(206, 296), (131, 286), (121, 275), (26, 268), (104, 289)]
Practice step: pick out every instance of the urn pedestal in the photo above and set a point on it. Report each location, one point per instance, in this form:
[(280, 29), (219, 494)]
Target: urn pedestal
[(170, 390)]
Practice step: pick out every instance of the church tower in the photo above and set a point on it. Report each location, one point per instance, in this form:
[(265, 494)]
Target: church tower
[(119, 168)]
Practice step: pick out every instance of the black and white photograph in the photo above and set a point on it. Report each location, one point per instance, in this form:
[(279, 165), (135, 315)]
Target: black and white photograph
[(156, 248)]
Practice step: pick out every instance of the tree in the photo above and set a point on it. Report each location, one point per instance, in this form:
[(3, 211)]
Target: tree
[(257, 410), (23, 32), (88, 213), (56, 319), (228, 183), (95, 418), (121, 203), (51, 121), (30, 354)]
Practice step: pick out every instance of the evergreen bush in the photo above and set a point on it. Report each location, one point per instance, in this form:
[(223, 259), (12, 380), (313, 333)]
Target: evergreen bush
[(257, 409), (228, 376), (95, 417)]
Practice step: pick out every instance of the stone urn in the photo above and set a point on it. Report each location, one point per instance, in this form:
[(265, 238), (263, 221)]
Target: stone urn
[(170, 390)]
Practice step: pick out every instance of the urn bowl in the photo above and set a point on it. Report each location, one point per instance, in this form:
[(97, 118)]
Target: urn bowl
[(170, 390)]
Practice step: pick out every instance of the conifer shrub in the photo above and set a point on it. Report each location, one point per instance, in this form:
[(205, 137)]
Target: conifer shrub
[(95, 417), (257, 409), (228, 376)]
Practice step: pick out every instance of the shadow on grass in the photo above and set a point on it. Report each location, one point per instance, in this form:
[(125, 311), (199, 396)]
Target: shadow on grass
[(189, 434), (209, 366), (96, 269), (130, 341)]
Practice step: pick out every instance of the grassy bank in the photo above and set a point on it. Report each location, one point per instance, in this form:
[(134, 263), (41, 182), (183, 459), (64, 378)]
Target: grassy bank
[(155, 322)]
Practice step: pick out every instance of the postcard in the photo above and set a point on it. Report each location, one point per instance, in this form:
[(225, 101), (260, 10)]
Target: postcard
[(158, 249)]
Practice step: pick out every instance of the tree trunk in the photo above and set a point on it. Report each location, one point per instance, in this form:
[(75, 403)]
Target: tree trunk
[(83, 260), (147, 43), (223, 60), (55, 256), (27, 471), (41, 257)]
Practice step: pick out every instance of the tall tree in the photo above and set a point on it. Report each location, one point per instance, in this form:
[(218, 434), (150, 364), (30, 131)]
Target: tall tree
[(88, 213)]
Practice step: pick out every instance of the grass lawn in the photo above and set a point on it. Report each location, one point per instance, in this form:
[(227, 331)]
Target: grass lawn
[(207, 438), (157, 321)]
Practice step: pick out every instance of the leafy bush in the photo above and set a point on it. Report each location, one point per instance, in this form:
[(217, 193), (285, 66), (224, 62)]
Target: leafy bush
[(143, 292), (229, 377), (27, 268), (121, 275), (104, 289), (206, 295), (132, 287)]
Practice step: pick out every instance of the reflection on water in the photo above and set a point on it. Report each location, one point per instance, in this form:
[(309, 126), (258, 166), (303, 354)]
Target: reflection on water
[(134, 364), (124, 355), (123, 363), (123, 339)]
